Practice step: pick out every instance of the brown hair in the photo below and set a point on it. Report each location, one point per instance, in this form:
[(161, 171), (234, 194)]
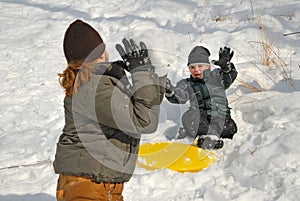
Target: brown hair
[(75, 75)]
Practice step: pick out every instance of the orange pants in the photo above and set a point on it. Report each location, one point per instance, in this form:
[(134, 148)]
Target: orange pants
[(73, 188)]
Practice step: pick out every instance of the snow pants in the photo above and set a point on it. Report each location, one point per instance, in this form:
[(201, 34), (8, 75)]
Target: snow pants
[(73, 188), (197, 122)]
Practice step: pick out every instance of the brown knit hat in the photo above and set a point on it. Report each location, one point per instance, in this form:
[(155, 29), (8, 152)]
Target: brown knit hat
[(82, 42)]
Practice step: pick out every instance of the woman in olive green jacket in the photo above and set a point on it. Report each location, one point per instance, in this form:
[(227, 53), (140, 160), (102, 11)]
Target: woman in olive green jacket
[(104, 115)]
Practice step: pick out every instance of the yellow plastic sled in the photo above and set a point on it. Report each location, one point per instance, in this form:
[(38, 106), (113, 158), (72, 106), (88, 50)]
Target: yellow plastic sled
[(175, 156)]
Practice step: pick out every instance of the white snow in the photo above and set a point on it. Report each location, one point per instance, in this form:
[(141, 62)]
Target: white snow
[(261, 162)]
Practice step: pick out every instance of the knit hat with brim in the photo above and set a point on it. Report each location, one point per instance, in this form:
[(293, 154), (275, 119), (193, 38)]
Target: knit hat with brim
[(199, 55), (82, 42)]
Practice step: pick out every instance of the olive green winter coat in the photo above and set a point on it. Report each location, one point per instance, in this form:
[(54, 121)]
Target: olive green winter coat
[(103, 124)]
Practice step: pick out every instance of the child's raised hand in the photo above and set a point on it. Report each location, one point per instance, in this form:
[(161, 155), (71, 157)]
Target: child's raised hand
[(225, 55)]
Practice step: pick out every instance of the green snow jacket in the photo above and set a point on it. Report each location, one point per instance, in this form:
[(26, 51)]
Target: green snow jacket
[(208, 94), (103, 124)]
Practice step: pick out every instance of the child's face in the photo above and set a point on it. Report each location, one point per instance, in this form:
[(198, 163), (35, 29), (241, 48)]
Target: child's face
[(198, 69)]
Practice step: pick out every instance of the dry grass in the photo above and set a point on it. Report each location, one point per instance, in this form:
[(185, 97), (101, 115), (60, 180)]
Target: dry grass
[(249, 86), (270, 55), (268, 50)]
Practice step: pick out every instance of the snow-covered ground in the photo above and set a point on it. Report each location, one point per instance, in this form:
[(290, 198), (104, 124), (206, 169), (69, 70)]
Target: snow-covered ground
[(261, 162)]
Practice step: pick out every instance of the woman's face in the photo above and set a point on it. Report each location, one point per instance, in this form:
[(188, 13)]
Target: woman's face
[(103, 58), (198, 69)]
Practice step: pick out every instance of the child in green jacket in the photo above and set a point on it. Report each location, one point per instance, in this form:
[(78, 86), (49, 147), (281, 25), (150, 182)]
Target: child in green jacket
[(208, 118)]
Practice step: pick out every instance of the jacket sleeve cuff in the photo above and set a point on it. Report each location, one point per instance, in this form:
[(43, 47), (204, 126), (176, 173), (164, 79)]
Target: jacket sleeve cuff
[(169, 94)]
